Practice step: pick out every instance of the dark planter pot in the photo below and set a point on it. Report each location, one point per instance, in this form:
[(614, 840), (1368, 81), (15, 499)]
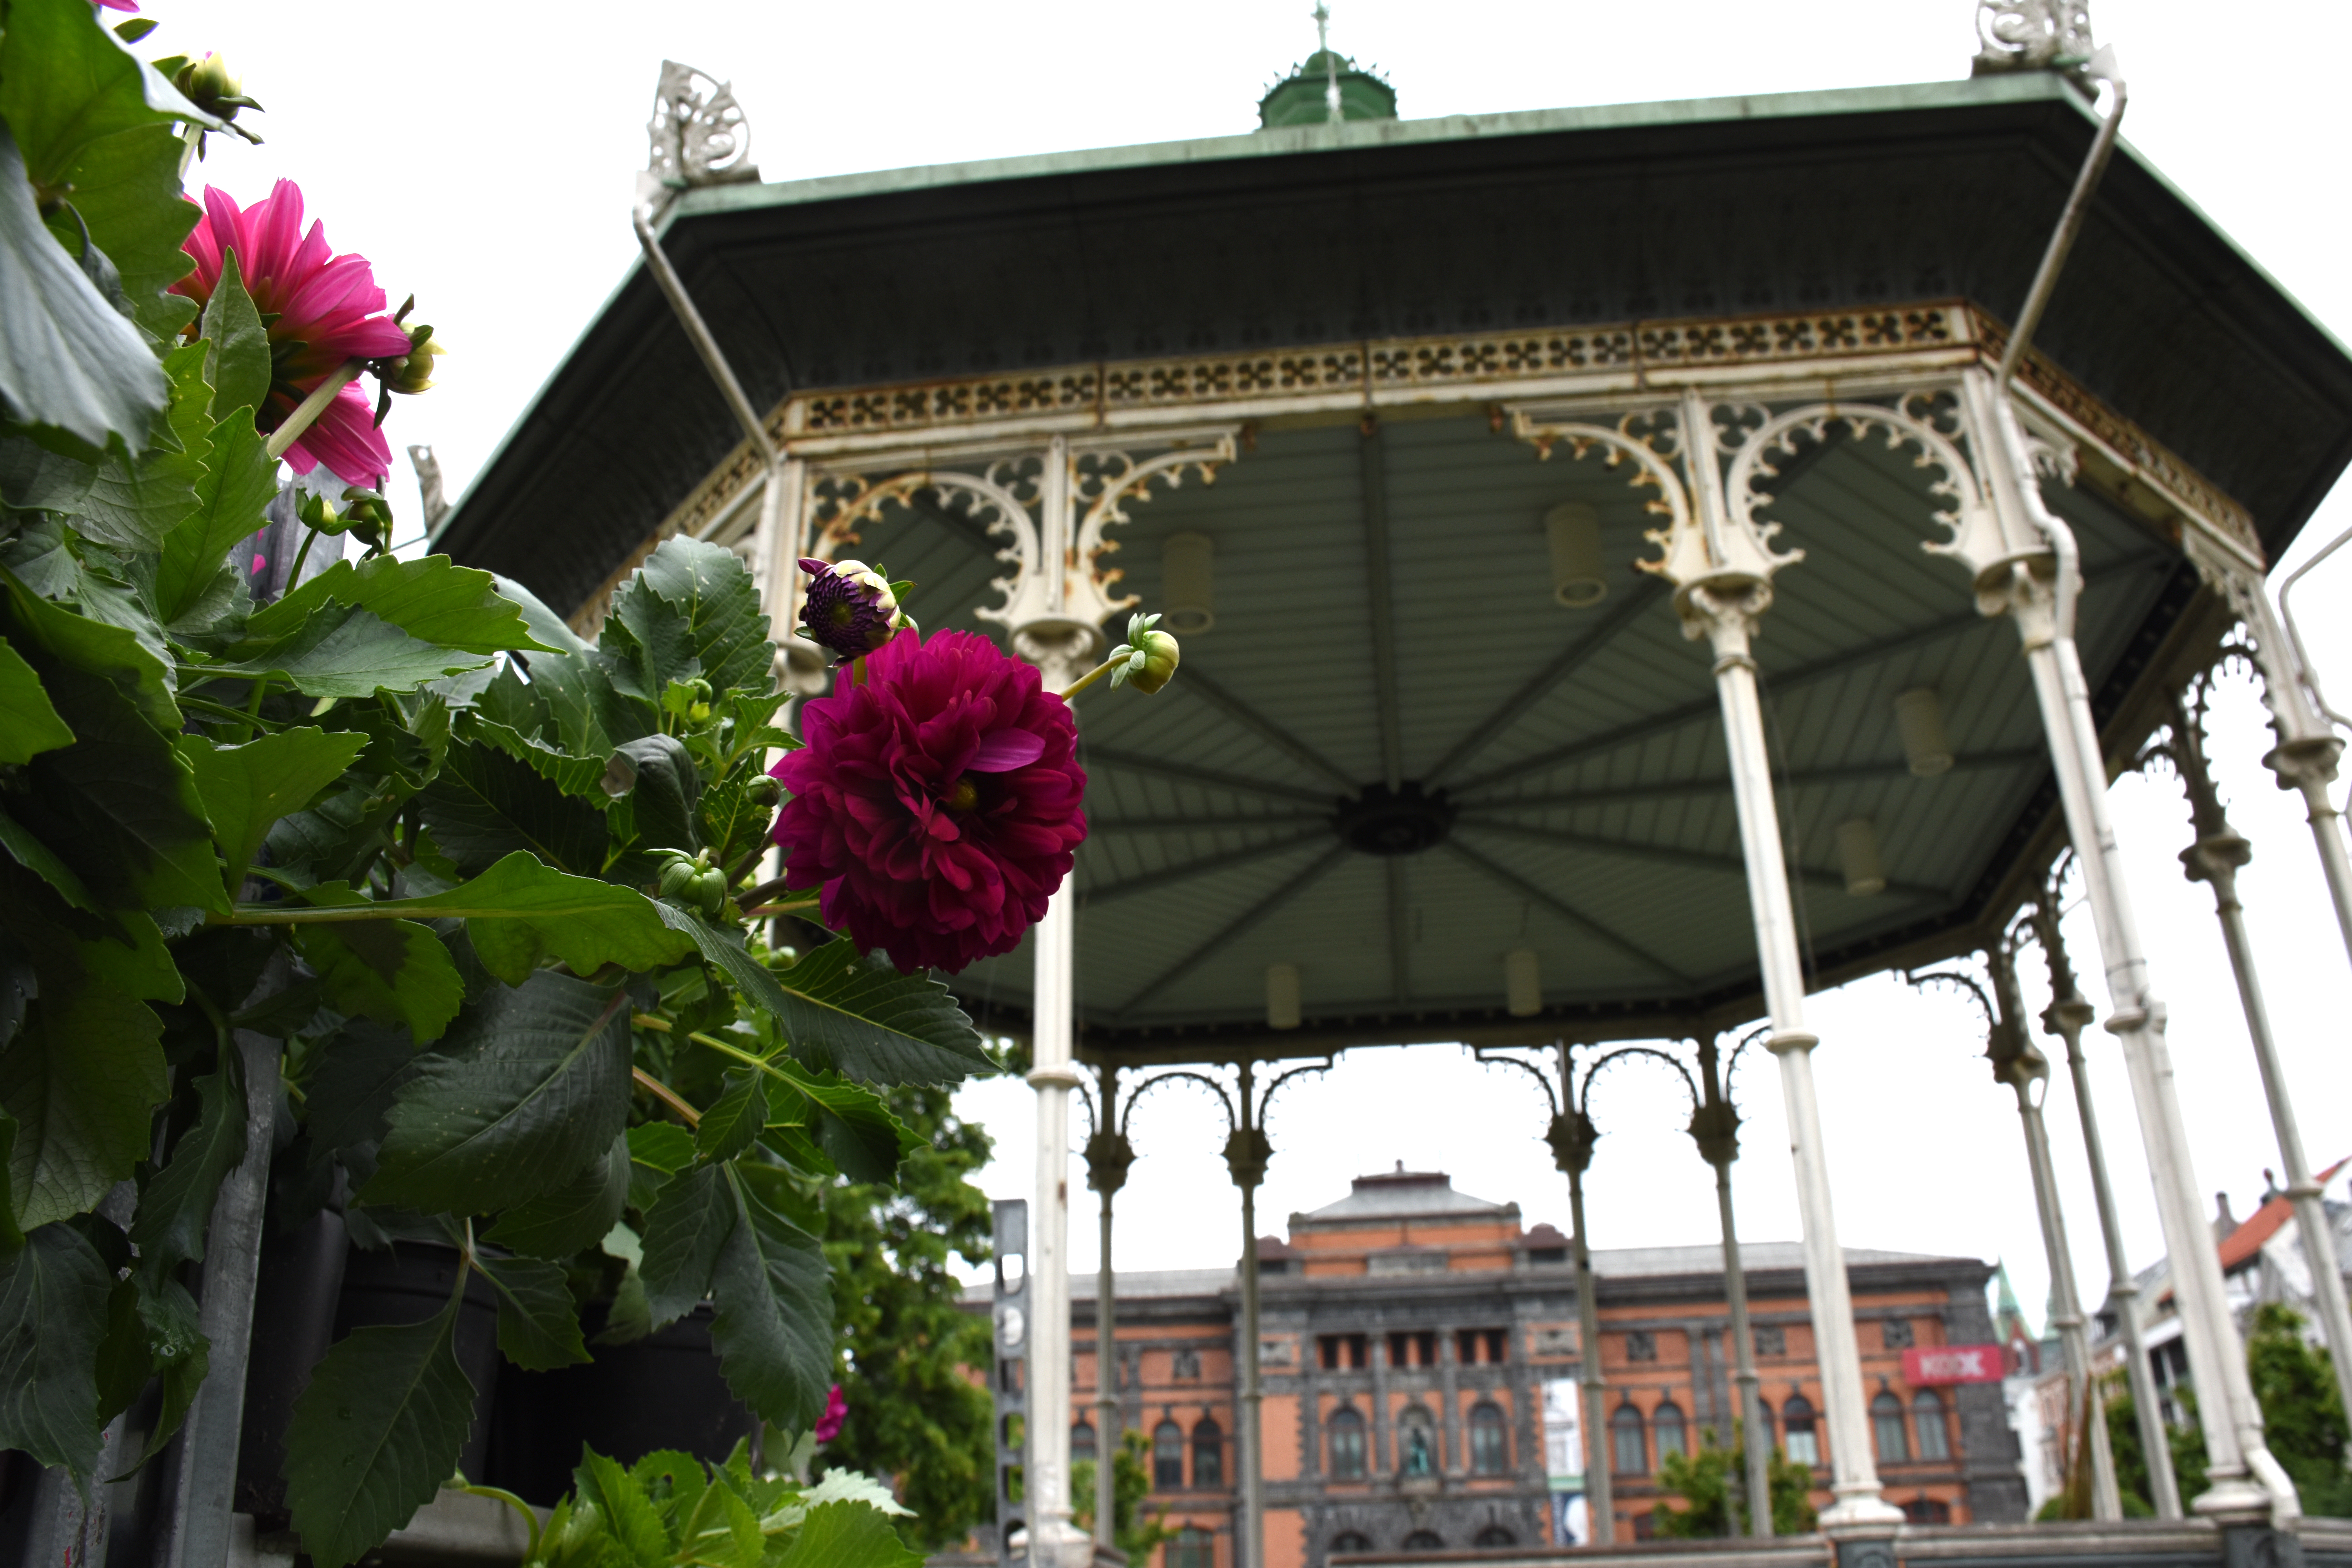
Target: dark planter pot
[(294, 1300), (410, 1283), (661, 1391)]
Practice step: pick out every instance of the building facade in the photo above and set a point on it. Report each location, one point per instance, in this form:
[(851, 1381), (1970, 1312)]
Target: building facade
[(1411, 1336)]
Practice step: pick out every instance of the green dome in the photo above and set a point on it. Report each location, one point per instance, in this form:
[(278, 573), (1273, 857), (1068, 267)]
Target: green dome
[(1298, 98)]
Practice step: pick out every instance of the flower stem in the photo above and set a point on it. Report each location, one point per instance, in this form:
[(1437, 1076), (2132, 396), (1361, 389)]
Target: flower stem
[(303, 417), (218, 710), (1096, 673), (294, 578), (663, 1093), (647, 1021)]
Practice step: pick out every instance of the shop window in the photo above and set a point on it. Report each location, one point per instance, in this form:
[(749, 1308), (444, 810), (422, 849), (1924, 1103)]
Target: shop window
[(1347, 1441), (1887, 1426), (1803, 1444), (1490, 1442), (1628, 1453), (1167, 1457), (1208, 1453), (1928, 1416)]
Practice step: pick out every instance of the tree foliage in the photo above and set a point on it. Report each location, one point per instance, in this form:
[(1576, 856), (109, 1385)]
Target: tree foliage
[(1711, 1483), (1135, 1530)]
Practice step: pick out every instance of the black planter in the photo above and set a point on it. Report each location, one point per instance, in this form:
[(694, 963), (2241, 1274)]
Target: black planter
[(294, 1300), (410, 1283), (661, 1391)]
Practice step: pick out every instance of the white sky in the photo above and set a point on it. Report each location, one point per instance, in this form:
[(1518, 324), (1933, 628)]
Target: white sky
[(482, 155)]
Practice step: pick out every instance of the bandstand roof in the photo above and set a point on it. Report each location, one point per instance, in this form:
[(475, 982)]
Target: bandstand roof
[(1580, 749)]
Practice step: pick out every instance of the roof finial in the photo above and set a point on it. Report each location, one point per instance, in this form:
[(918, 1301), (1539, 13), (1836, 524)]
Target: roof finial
[(2033, 35), (1332, 109)]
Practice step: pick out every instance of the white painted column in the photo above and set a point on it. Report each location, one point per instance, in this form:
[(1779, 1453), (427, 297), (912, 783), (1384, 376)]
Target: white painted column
[(1728, 613), (2248, 1486), (1054, 1541)]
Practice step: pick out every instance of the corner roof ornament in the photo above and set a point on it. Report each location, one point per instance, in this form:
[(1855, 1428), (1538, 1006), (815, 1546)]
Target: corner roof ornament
[(698, 137), (2033, 35)]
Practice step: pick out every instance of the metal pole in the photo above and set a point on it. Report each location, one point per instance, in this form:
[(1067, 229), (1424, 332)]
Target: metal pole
[(1571, 1137), (1108, 1157), (1751, 1397), (1727, 614), (1246, 1152), (1054, 1542)]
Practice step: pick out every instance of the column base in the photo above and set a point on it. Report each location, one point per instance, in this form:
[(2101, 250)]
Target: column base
[(1870, 1546), (1057, 1544), (1868, 1514), (2259, 1546)]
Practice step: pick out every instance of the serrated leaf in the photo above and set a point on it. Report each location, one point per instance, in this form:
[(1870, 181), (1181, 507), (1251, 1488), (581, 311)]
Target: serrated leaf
[(571, 1218), (485, 804), (176, 1203), (710, 593), (178, 1354), (352, 1085), (861, 1017), (240, 477), (532, 1082), (80, 1079), (538, 1326), (773, 1326), (854, 1485), (246, 788), (848, 1535), (657, 1150), (343, 651), (659, 779), (580, 777), (434, 600), (30, 724), (628, 1513), (34, 479), (548, 627), (852, 1124), (111, 654), (684, 1231), (126, 188), (395, 972), (53, 1301), (734, 1119), (375, 1433), (11, 1238), (237, 362), (22, 847), (67, 359), (590, 714), (65, 83), (133, 503)]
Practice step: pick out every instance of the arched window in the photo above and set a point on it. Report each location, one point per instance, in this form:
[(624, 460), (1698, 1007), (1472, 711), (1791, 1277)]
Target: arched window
[(1668, 1419), (1346, 1428), (1167, 1457), (1924, 1509), (1349, 1539), (1797, 1428), (1082, 1441), (1490, 1441), (1208, 1453), (1493, 1535), (1886, 1426), (1927, 1416), (1191, 1547), (1423, 1541), (1416, 1442), (1629, 1455)]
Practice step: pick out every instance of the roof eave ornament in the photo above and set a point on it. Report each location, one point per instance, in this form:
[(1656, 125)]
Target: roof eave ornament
[(2033, 35), (697, 135)]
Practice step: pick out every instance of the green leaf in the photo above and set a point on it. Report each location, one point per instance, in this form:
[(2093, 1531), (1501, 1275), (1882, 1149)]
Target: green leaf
[(375, 1433), (176, 1203), (37, 857), (539, 1327), (238, 362), (627, 1511), (658, 778), (34, 479), (521, 912), (863, 1018), (352, 1085), (734, 1119), (485, 804), (133, 505), (36, 626), (590, 715), (395, 972), (548, 627), (848, 1535), (853, 1124), (684, 1231), (65, 82), (126, 187), (773, 1327), (657, 1150), (343, 651), (11, 1238), (53, 1300), (702, 596), (80, 1079), (246, 788), (571, 1218), (67, 359), (531, 1083), (30, 725), (582, 776), (167, 1341), (434, 600), (240, 477)]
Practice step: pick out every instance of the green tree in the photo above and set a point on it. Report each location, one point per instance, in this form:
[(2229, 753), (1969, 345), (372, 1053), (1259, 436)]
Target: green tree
[(1133, 1530), (908, 1348), (2301, 1412), (2131, 1458), (1705, 1480)]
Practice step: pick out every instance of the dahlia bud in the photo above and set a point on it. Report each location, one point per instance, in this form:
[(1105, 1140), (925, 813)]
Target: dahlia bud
[(412, 372), (851, 608), (1147, 660), (208, 84), (764, 791)]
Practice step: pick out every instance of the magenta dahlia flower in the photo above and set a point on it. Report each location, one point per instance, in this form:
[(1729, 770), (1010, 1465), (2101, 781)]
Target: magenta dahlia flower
[(836, 1411), (937, 804), (320, 310)]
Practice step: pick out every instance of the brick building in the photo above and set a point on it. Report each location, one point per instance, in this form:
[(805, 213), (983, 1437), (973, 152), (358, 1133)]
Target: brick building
[(1410, 1331)]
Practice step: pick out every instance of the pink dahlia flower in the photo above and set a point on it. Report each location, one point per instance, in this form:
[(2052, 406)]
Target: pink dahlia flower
[(320, 308), (836, 1411), (938, 804)]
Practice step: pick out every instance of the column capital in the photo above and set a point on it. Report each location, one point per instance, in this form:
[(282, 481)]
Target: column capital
[(1054, 1075)]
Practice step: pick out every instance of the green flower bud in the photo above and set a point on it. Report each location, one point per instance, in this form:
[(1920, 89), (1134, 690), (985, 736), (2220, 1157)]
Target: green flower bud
[(411, 373), (675, 877), (1153, 663), (208, 84), (708, 890), (764, 791)]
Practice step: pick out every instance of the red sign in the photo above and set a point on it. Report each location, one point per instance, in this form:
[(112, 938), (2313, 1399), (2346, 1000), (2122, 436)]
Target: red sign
[(1928, 1365)]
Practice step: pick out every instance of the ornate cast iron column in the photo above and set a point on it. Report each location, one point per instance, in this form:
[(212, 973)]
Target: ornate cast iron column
[(2214, 857), (1571, 1136), (2009, 549), (1715, 1128), (2066, 1016), (1721, 564), (1110, 1157), (1247, 1156)]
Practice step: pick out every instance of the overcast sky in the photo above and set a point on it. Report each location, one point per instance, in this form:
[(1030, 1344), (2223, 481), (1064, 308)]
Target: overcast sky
[(483, 156)]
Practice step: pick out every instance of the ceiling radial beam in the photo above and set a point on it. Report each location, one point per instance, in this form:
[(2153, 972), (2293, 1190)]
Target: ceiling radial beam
[(1145, 882), (1809, 778), (1207, 778), (1400, 935), (1563, 909), (1373, 468), (1199, 684), (1204, 824), (1571, 659), (1666, 855), (1249, 921)]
